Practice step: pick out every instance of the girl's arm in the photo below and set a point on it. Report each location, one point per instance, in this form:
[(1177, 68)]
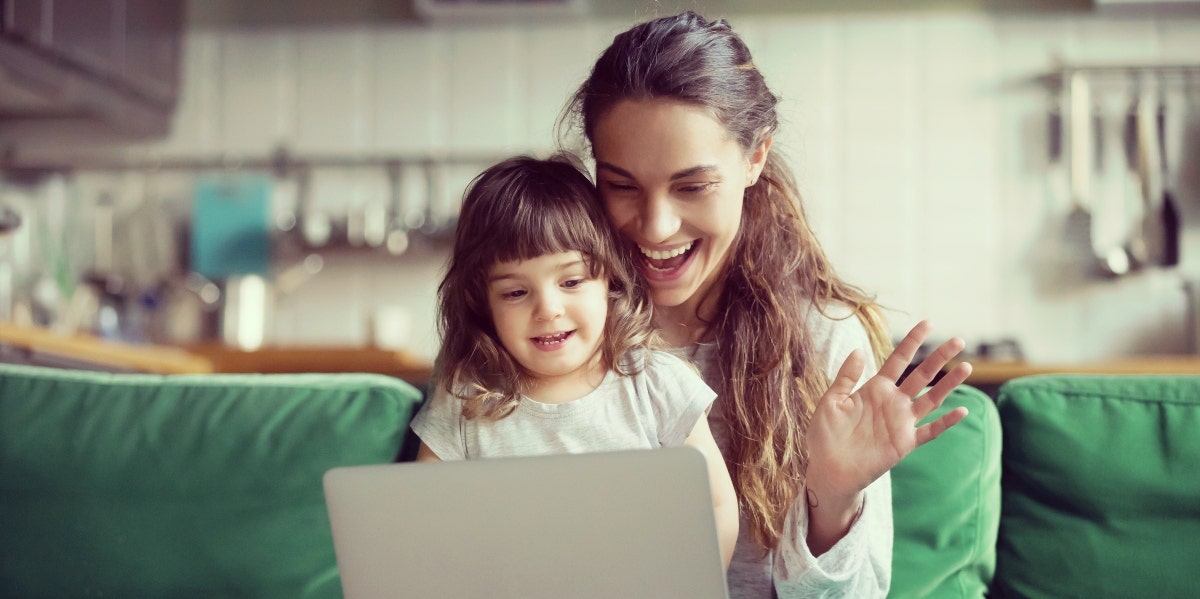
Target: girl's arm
[(725, 506), (425, 454)]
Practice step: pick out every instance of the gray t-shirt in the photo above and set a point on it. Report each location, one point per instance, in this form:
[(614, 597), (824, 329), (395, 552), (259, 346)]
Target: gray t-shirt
[(657, 407), (857, 566)]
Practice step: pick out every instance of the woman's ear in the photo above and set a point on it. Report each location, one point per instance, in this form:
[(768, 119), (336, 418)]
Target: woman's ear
[(758, 158)]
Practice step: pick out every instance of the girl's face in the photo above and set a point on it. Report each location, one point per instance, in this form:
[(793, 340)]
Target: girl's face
[(550, 315), (672, 179)]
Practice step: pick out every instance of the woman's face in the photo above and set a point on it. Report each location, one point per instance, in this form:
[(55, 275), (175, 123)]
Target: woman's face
[(672, 179)]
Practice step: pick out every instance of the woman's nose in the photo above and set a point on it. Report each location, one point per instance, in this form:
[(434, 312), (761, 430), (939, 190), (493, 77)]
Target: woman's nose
[(658, 219)]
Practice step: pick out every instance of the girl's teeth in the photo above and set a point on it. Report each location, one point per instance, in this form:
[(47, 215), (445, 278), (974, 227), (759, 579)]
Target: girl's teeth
[(657, 255), (553, 338)]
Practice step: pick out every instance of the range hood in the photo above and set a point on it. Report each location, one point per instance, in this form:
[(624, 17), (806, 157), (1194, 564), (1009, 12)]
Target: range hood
[(94, 70)]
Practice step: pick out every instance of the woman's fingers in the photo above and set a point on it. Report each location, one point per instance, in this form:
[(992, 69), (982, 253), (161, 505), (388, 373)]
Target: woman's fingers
[(848, 375), (930, 367), (901, 357), (926, 404), (929, 432)]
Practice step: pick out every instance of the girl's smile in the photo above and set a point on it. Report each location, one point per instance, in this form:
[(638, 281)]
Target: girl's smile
[(551, 342), (549, 314)]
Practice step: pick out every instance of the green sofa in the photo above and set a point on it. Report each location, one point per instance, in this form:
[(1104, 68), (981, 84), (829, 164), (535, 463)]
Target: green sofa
[(138, 485), (132, 485), (1065, 486)]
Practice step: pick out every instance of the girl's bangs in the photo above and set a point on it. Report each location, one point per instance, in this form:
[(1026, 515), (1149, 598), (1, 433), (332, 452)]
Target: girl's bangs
[(551, 228)]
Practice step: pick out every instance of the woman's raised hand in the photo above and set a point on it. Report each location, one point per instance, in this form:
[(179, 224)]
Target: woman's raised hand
[(856, 436)]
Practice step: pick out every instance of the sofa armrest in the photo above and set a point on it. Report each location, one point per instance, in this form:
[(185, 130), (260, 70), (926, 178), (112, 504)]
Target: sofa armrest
[(946, 506), (126, 485)]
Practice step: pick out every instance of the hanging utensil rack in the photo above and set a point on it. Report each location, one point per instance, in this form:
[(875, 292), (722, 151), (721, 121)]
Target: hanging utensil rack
[(1175, 74), (280, 162)]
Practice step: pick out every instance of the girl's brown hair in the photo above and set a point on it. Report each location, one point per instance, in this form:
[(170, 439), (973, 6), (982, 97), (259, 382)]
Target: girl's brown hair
[(770, 381), (519, 209)]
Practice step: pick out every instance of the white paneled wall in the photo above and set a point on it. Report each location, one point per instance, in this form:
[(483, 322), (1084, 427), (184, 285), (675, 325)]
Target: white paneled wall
[(919, 142)]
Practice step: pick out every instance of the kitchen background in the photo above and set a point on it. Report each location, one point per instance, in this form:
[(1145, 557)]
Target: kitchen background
[(314, 157)]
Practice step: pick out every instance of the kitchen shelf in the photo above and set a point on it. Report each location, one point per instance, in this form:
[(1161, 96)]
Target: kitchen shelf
[(296, 359), (988, 373)]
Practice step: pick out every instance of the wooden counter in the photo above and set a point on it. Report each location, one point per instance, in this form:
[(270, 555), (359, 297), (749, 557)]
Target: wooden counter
[(397, 363), (986, 372), (42, 345)]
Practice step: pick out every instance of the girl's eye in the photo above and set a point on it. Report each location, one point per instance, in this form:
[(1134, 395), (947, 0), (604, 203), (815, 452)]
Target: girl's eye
[(512, 295), (572, 283)]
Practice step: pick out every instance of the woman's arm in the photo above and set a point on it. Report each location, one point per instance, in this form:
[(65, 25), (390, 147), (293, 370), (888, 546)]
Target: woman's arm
[(857, 435), (725, 506)]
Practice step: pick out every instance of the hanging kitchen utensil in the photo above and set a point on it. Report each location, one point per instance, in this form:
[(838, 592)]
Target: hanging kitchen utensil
[(396, 236), (1110, 204), (231, 225), (1078, 223), (1137, 244), (1169, 211), (1084, 154), (96, 305), (1057, 175), (148, 234), (1153, 229), (435, 181), (316, 226)]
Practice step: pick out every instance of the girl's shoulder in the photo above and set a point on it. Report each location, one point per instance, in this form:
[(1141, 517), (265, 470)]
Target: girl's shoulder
[(643, 360)]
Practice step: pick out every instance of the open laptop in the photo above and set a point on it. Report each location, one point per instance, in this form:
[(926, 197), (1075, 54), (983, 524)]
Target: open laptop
[(624, 524)]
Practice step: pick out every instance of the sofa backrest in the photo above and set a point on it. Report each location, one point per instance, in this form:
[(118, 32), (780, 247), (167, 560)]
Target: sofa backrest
[(181, 486), (946, 504), (1101, 486)]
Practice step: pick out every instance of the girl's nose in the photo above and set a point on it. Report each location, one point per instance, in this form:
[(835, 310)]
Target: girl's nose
[(658, 218), (549, 307)]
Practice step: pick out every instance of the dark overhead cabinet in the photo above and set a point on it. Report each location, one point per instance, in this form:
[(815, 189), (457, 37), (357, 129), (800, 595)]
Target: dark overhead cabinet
[(89, 69)]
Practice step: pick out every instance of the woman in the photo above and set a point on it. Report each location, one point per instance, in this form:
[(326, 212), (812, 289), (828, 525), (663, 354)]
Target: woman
[(681, 124)]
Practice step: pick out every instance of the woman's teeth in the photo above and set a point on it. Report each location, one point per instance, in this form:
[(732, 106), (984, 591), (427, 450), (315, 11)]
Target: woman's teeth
[(663, 255)]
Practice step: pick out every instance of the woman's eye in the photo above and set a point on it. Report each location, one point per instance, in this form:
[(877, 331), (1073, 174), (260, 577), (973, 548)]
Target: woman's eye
[(619, 187), (696, 187)]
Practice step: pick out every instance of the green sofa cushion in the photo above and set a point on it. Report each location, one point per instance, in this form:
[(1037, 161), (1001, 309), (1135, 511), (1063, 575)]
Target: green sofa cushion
[(137, 485), (946, 504), (1101, 486)]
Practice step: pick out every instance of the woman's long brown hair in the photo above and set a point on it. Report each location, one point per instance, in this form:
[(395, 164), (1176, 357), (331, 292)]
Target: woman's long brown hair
[(770, 383)]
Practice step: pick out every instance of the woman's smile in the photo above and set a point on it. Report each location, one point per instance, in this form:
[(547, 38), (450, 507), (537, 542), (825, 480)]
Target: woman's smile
[(666, 262), (673, 181)]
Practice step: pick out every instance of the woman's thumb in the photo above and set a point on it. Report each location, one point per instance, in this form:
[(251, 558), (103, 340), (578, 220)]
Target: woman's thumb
[(848, 374)]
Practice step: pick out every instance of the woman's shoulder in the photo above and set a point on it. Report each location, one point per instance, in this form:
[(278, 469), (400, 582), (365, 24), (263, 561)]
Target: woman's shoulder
[(834, 331), (833, 319)]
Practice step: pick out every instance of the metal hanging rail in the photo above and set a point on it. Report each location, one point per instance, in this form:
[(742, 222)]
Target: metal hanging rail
[(1186, 73), (280, 162)]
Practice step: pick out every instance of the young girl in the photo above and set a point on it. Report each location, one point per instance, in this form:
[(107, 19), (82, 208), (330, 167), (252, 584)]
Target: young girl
[(548, 345)]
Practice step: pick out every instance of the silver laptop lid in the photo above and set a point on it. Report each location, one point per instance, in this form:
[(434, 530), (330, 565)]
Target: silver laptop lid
[(618, 524)]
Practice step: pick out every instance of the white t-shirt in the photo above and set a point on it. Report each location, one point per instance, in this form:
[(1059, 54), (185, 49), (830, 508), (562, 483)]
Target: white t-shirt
[(857, 566), (656, 407)]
